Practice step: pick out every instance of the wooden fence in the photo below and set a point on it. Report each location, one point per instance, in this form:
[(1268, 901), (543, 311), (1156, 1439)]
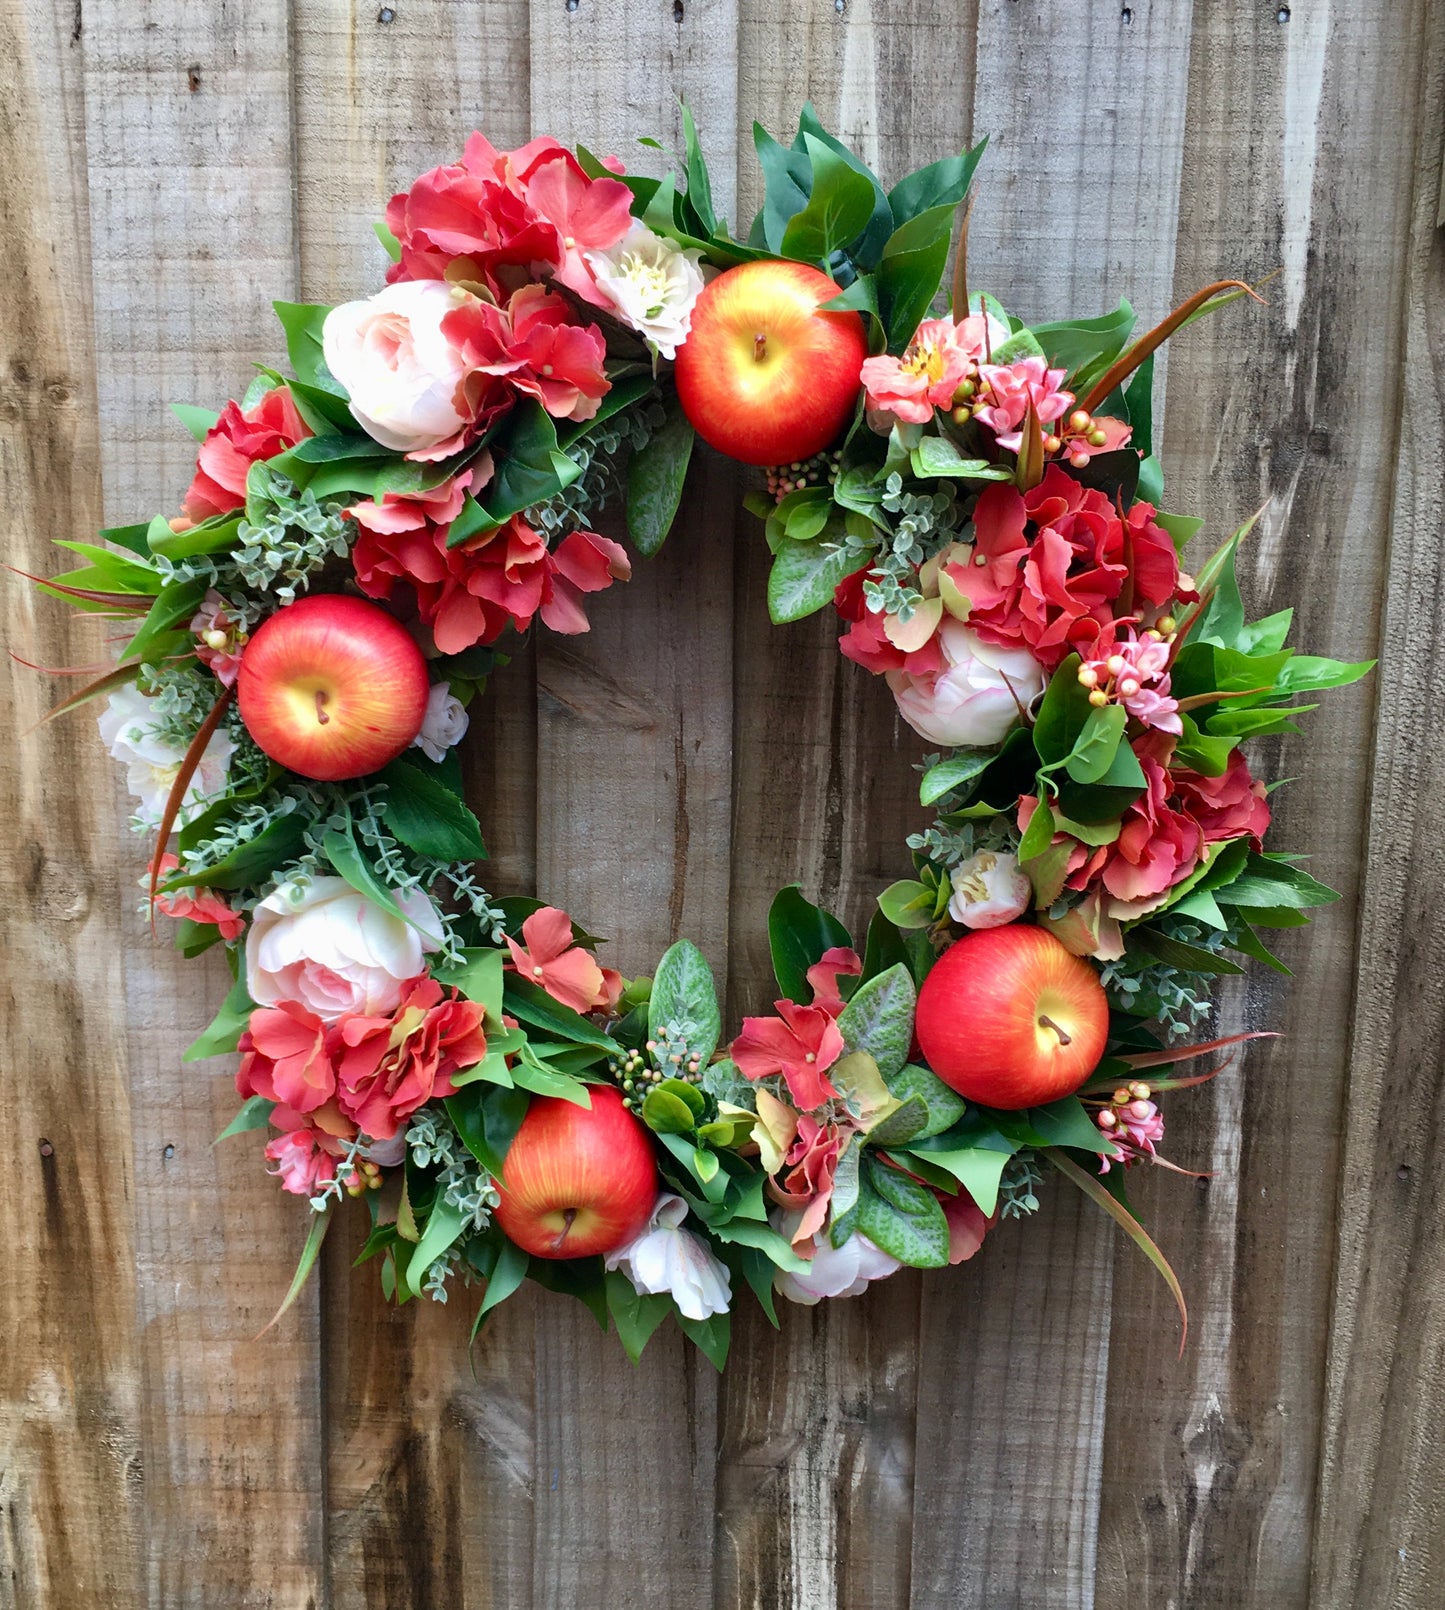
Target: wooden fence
[(1016, 1432)]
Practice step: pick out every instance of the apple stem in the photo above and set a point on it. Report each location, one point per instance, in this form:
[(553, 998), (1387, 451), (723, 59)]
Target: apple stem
[(1048, 1023), (321, 715), (568, 1216), (760, 347)]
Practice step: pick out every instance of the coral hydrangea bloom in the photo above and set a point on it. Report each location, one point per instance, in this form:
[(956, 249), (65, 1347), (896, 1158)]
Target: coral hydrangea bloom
[(389, 1066), (939, 358), (588, 214), (1006, 390), (811, 1163), (286, 1058), (198, 905), (237, 440), (801, 1044), (548, 958), (1230, 806), (840, 961)]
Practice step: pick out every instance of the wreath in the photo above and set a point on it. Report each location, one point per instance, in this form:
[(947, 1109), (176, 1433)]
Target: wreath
[(979, 501)]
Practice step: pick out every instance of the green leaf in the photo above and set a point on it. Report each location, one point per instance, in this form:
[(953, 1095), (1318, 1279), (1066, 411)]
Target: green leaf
[(902, 1217), (199, 421), (530, 1073), (1308, 673), (711, 1335), (427, 817), (443, 1226), (1064, 1123), (1097, 745), (837, 211), (389, 243), (902, 1125), (303, 323), (531, 466), (785, 175), (508, 1273), (945, 1106), (699, 187), (937, 456), (910, 272), (534, 1006), (907, 904), (478, 975), (255, 1114), (320, 1224), (655, 476), (804, 578), (225, 1029), (636, 1314), (977, 1168), (1062, 714), (487, 1118), (667, 1114), (941, 183), (1177, 953), (798, 934), (341, 850), (683, 992), (953, 773), (1084, 348), (763, 1238), (1266, 882), (879, 1019), (173, 608)]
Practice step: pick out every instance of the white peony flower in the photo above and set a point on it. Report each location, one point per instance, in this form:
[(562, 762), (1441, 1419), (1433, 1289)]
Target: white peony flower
[(402, 374), (833, 1271), (989, 890), (652, 283), (977, 698), (666, 1257), (336, 952), (128, 729), (444, 724)]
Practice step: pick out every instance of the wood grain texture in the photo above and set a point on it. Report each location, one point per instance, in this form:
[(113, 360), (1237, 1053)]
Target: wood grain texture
[(1227, 1463), (188, 137), (70, 1473), (1379, 1536), (1016, 1432)]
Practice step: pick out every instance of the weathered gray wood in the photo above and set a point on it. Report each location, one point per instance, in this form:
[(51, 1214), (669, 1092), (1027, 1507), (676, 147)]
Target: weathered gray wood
[(1222, 1462), (188, 136), (70, 1473), (1379, 1537), (634, 771)]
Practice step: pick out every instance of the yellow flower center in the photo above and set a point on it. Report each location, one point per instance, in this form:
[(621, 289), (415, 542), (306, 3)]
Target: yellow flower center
[(649, 280), (924, 358)]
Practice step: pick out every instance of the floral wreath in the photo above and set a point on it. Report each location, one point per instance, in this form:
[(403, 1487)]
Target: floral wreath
[(979, 501)]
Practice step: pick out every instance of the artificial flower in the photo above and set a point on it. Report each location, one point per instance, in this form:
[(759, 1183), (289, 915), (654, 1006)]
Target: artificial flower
[(535, 346), (305, 1159), (1006, 390), (989, 890), (652, 284), (332, 951), (978, 696), (940, 357), (220, 637), (588, 214), (583, 563), (1230, 806), (839, 961), (844, 1271), (548, 958), (132, 731), (285, 1058), (389, 1064), (1135, 1128), (445, 723), (666, 1257), (197, 905), (967, 1225), (1134, 672), (801, 1044), (403, 376), (239, 438), (811, 1162)]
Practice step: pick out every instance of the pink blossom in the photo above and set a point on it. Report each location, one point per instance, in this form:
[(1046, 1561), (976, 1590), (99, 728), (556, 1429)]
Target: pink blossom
[(940, 357), (1079, 446), (286, 1058), (1006, 390), (811, 1162), (1137, 1128), (305, 1160), (233, 444), (967, 1225), (1134, 672), (839, 961), (583, 563), (801, 1043), (548, 958), (1230, 806), (198, 905), (989, 890), (220, 637), (588, 214)]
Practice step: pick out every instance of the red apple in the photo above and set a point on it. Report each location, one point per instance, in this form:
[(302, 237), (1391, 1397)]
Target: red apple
[(1010, 1018), (577, 1180), (764, 376), (332, 687)]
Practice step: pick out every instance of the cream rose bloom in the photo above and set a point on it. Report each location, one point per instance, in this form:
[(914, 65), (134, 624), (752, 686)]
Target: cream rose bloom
[(668, 1258), (977, 698), (129, 730), (402, 374), (844, 1271), (653, 284), (444, 724), (989, 890), (322, 944)]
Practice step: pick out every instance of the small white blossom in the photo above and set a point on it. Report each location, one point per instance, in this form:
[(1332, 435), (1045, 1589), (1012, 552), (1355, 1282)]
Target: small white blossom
[(665, 1257), (129, 731), (989, 890), (844, 1271), (653, 284), (445, 723)]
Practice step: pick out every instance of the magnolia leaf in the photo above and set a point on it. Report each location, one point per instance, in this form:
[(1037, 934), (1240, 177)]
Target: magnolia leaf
[(684, 996), (902, 1217), (879, 1018), (908, 1119), (655, 476), (944, 1106), (977, 1168)]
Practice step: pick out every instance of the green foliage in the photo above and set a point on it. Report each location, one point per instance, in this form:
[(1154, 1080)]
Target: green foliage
[(878, 1019), (684, 1000), (798, 935)]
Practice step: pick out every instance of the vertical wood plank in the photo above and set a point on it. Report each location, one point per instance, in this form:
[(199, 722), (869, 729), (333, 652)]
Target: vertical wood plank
[(1211, 1466), (1382, 1477), (188, 124), (1076, 202), (70, 1480), (634, 757), (429, 1472), (816, 1462)]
